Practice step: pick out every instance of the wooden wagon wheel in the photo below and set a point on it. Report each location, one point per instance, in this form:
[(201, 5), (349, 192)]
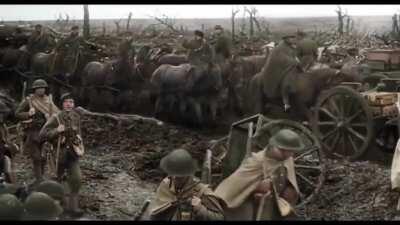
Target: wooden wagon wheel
[(344, 123), (309, 164)]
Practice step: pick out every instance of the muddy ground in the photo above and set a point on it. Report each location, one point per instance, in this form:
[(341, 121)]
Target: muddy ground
[(120, 171)]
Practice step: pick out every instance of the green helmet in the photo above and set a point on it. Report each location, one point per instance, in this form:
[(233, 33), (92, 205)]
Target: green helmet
[(179, 163), (288, 140), (10, 207), (52, 188), (39, 83), (40, 206), (7, 188)]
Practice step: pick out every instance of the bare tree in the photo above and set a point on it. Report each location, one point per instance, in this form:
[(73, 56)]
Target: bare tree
[(129, 21), (168, 22), (86, 22), (234, 12), (341, 15), (117, 24)]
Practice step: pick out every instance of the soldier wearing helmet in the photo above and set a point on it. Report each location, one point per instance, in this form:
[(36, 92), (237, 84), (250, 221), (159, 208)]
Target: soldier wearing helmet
[(199, 51), (10, 207), (307, 50), (40, 206), (265, 180), (34, 111), (181, 196), (68, 52), (281, 64), (64, 130)]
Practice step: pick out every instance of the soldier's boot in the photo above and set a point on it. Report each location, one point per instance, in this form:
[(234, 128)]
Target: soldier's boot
[(74, 209)]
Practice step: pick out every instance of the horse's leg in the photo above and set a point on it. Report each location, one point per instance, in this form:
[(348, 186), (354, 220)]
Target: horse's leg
[(197, 109)]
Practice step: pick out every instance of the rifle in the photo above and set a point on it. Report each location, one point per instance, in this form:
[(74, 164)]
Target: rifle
[(206, 169), (144, 208)]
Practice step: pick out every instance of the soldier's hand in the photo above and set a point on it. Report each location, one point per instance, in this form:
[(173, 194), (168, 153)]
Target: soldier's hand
[(60, 128), (31, 111), (195, 201), (287, 107)]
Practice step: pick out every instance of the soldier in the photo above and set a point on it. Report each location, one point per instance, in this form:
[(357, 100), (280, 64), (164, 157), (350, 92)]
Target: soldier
[(199, 50), (40, 206), (264, 187), (221, 44), (35, 110), (67, 52), (280, 67), (307, 50), (181, 196), (39, 41), (64, 128), (10, 207)]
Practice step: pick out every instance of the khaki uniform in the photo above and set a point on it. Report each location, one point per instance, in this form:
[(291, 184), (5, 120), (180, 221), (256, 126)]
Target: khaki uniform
[(166, 206), (307, 52), (281, 62), (68, 161), (239, 188), (67, 55), (44, 109)]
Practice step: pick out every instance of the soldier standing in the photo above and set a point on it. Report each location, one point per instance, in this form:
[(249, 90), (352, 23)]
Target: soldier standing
[(221, 44), (199, 51), (64, 129), (67, 52), (307, 50), (280, 68), (181, 196), (35, 110), (264, 187)]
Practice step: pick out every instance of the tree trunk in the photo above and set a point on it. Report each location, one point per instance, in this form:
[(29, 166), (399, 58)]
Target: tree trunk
[(129, 21), (86, 27)]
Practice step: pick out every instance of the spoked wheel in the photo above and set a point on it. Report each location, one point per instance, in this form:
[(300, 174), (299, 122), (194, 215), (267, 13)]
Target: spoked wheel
[(309, 164), (344, 123)]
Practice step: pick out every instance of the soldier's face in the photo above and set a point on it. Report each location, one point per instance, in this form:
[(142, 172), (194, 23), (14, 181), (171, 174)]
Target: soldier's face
[(291, 40), (38, 29), (68, 104), (180, 181), (218, 32), (75, 32), (40, 91), (196, 37), (282, 154)]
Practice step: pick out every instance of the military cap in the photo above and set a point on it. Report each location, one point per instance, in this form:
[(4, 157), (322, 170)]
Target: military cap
[(75, 27), (40, 206), (38, 26), (179, 163), (39, 83), (301, 33), (288, 140), (66, 96), (52, 188), (10, 207), (199, 33), (218, 27)]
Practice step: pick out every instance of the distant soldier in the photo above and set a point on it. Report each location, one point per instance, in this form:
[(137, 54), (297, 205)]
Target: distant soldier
[(34, 111), (19, 38), (64, 130), (7, 149), (264, 187), (307, 50), (221, 44), (67, 51), (281, 66), (181, 196), (40, 206), (199, 51), (10, 207)]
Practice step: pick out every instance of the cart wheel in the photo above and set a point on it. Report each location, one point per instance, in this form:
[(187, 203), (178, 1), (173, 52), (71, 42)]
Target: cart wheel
[(309, 164), (344, 123)]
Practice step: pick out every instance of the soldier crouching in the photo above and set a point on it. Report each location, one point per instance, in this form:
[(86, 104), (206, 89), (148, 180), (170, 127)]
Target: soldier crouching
[(64, 131), (181, 196)]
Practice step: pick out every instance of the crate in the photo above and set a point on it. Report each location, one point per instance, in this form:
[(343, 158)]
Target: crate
[(381, 98), (378, 65), (389, 56)]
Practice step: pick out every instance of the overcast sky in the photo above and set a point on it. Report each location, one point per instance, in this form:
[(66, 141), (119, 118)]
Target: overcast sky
[(49, 12)]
